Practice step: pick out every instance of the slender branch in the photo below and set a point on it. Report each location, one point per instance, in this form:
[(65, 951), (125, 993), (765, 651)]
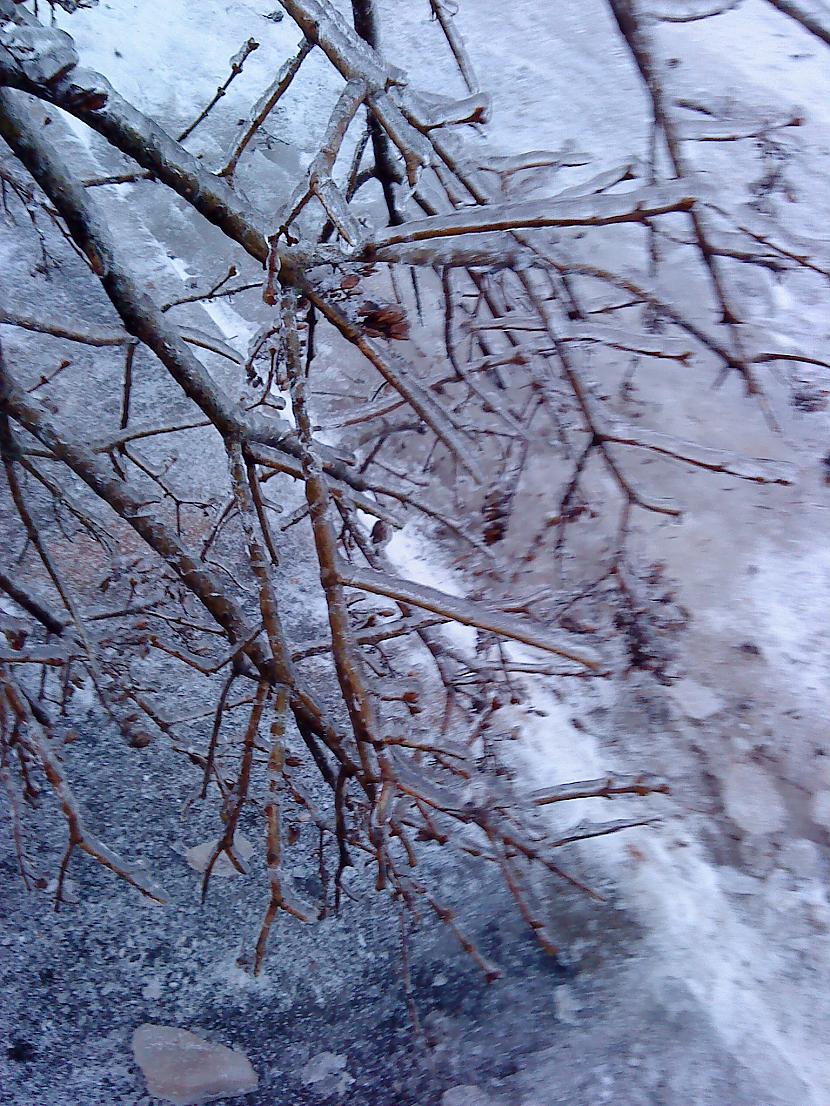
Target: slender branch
[(264, 106), (237, 63)]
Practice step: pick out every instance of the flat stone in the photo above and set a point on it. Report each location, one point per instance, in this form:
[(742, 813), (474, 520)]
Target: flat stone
[(186, 1070)]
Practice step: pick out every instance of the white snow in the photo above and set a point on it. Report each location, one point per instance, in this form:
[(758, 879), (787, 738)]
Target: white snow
[(820, 809), (732, 952)]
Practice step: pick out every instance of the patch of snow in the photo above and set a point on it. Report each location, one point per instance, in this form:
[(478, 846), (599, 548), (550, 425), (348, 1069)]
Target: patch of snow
[(466, 1095), (791, 592), (820, 809), (416, 560)]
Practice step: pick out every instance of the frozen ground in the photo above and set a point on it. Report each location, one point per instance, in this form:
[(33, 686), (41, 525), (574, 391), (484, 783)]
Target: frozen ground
[(704, 978)]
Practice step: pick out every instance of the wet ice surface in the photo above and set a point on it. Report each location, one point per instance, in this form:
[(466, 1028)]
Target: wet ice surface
[(704, 977)]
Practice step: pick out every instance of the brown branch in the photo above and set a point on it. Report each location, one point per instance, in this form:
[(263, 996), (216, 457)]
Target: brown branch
[(356, 695), (595, 212), (54, 623), (633, 31), (600, 789)]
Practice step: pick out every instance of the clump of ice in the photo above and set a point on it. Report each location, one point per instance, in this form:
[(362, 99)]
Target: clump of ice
[(802, 858), (567, 1005), (198, 857), (187, 1070), (820, 809), (695, 700), (326, 1072), (752, 801)]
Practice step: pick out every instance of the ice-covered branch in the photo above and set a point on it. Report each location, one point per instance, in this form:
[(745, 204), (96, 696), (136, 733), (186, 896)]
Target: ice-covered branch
[(596, 211), (691, 12), (263, 107), (465, 611), (758, 470)]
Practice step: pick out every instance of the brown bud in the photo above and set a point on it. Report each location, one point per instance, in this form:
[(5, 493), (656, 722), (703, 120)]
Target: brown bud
[(384, 320)]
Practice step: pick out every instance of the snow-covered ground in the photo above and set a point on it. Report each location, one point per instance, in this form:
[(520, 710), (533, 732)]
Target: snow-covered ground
[(704, 979)]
